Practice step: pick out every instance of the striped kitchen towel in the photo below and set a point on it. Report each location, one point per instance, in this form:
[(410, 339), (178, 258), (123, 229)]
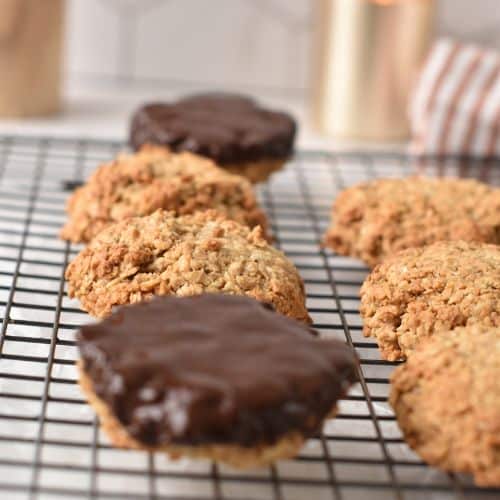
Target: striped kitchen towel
[(455, 108)]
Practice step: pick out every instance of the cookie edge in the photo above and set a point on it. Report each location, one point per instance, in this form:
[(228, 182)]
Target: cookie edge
[(256, 171)]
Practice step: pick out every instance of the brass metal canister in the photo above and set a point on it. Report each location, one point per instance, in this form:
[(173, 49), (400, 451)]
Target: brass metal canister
[(368, 54)]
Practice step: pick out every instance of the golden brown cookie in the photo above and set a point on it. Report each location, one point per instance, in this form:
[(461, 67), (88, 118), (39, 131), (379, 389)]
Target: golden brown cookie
[(138, 184), (215, 376), (447, 401), (375, 219), (420, 291), (161, 254)]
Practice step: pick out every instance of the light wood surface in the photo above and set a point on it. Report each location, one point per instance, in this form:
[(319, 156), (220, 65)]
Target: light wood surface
[(31, 33)]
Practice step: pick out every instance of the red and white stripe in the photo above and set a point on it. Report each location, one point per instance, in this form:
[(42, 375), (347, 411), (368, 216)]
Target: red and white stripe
[(455, 108)]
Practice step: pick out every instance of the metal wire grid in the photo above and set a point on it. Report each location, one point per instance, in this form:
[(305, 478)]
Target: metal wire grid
[(50, 443)]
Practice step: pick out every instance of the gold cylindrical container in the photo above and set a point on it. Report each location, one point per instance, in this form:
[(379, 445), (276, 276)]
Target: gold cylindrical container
[(368, 55)]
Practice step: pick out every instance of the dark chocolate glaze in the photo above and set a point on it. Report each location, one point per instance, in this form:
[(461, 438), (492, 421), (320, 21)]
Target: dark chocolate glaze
[(228, 128), (213, 369)]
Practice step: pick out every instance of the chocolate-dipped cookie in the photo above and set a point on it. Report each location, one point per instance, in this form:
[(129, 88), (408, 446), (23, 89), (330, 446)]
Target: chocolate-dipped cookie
[(232, 130), (214, 376)]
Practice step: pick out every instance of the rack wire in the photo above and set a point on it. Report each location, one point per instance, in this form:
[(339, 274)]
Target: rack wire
[(50, 443)]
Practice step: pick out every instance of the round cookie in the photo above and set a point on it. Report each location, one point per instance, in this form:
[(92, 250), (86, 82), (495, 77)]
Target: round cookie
[(138, 184), (420, 291), (230, 129), (375, 219), (447, 401), (214, 376), (161, 254)]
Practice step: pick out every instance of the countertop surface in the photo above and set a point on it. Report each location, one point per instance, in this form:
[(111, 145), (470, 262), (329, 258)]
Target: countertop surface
[(90, 111)]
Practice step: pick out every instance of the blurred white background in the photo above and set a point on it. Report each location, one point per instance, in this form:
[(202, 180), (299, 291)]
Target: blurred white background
[(121, 53), (257, 45)]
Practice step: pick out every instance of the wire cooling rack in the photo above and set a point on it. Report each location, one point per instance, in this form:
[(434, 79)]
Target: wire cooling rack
[(50, 442)]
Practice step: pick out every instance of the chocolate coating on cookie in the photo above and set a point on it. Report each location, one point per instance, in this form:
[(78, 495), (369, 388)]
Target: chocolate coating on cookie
[(227, 128), (213, 369)]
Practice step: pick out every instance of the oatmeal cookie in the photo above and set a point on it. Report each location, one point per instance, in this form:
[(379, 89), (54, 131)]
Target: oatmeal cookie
[(420, 291), (375, 219), (138, 184), (161, 254), (447, 401), (233, 130), (214, 376)]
